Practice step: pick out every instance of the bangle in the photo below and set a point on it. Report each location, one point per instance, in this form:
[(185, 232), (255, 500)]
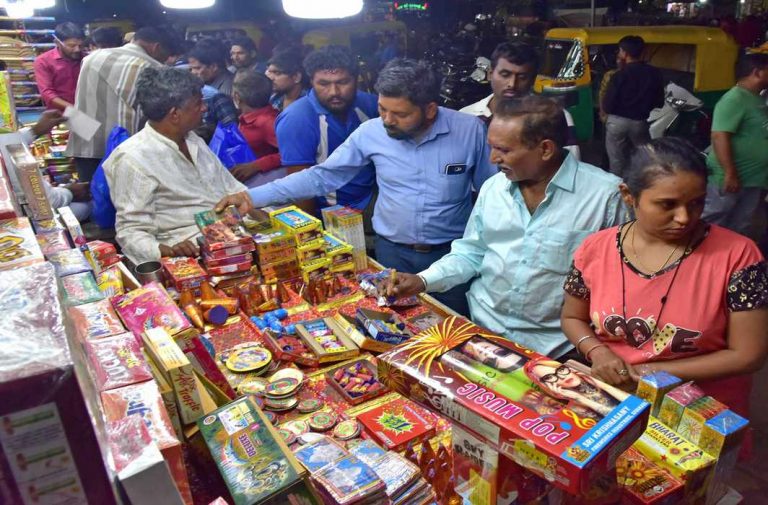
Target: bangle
[(592, 349), (582, 339), (423, 281)]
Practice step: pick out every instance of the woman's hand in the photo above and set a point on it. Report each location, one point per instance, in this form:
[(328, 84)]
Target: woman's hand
[(608, 367)]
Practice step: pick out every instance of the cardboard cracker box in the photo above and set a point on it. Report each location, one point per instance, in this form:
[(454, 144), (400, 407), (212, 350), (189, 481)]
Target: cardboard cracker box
[(568, 442), (31, 180), (653, 387), (18, 245), (49, 447)]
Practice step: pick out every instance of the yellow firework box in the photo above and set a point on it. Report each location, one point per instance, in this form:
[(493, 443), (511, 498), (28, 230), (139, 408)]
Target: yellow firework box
[(178, 371), (570, 442), (653, 387), (305, 229), (721, 438), (696, 414), (684, 460)]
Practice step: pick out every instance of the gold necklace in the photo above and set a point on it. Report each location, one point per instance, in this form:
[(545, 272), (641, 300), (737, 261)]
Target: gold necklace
[(639, 260)]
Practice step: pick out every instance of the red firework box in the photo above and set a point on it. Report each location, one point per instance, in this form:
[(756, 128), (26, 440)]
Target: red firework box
[(19, 245), (117, 361), (150, 307), (143, 400), (101, 255), (243, 266), (202, 360), (398, 423), (183, 273), (210, 261), (53, 242), (95, 320), (557, 422), (235, 250), (645, 483), (222, 230)]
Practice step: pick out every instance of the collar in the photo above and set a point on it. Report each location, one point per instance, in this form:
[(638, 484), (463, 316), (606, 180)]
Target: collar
[(565, 177), (222, 78), (171, 144), (481, 108), (441, 126), (322, 111), (252, 116)]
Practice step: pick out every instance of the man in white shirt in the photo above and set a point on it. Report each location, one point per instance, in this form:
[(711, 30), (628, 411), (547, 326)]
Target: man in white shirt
[(514, 67), (162, 176)]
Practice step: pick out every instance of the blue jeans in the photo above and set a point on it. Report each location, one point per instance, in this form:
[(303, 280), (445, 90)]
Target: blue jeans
[(405, 259), (734, 211)]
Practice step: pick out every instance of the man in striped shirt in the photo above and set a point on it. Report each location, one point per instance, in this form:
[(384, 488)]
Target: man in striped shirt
[(106, 91)]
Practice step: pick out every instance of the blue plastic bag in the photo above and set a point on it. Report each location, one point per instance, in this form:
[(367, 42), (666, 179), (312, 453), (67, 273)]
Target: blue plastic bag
[(103, 210), (230, 146)]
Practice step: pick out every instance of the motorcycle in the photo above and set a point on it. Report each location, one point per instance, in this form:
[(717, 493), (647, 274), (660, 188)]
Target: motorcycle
[(681, 116)]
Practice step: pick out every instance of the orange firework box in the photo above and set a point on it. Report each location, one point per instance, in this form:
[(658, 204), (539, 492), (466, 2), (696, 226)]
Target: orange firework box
[(645, 483), (184, 273), (501, 391)]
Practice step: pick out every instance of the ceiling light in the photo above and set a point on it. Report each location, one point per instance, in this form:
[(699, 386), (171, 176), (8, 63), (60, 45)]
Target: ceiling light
[(329, 9), (42, 4), (187, 4), (18, 9)]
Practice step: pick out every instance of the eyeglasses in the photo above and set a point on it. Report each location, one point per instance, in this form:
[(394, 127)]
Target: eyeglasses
[(561, 372)]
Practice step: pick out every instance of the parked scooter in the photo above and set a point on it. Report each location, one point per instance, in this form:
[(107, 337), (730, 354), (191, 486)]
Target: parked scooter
[(681, 116)]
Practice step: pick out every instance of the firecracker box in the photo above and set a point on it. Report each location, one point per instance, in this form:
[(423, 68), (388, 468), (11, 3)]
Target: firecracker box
[(643, 482), (274, 240), (475, 469), (235, 268), (222, 230), (315, 270), (721, 438), (117, 361), (183, 273), (9, 205), (49, 451), (139, 465), (568, 439), (251, 456), (30, 179), (305, 229), (80, 289), (347, 224), (653, 387), (383, 327), (286, 269), (696, 415), (684, 460), (19, 245), (70, 262), (101, 255), (309, 254), (343, 350), (167, 394), (150, 306), (178, 371), (236, 250), (143, 400), (361, 340), (53, 242), (674, 403), (269, 258), (338, 251), (95, 320), (76, 233), (202, 360), (8, 120), (398, 422)]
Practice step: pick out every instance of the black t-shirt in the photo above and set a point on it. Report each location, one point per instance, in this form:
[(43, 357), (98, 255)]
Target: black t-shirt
[(634, 91)]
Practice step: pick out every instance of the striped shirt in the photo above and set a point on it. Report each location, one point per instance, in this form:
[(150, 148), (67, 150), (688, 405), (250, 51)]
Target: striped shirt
[(106, 92)]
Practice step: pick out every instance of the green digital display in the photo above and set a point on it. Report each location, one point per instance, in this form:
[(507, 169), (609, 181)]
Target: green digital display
[(411, 6)]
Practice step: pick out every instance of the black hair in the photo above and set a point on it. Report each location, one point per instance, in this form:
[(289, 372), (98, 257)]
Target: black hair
[(107, 36), (69, 30), (518, 53), (633, 45), (543, 119), (750, 62), (287, 60), (411, 79), (158, 90), (330, 58), (167, 37), (244, 42), (662, 157), (253, 87), (210, 52)]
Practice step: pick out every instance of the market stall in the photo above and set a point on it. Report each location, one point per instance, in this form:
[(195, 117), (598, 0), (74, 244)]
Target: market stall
[(274, 369)]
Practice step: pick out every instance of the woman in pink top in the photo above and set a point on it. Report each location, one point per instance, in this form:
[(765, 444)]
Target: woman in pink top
[(668, 291)]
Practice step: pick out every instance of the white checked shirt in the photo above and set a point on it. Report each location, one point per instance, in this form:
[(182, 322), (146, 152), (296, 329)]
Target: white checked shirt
[(157, 190)]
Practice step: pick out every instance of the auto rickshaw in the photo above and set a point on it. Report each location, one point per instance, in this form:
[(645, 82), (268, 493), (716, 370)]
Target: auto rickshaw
[(574, 61)]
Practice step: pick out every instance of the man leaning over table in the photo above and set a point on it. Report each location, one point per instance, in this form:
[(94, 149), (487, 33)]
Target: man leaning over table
[(165, 174), (525, 226), (427, 158)]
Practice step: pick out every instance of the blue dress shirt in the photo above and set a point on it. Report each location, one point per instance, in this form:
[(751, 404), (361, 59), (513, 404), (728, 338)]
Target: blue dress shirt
[(298, 138), (425, 184), (522, 258)]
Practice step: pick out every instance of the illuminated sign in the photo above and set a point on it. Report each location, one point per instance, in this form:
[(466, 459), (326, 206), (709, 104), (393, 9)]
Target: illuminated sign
[(411, 6)]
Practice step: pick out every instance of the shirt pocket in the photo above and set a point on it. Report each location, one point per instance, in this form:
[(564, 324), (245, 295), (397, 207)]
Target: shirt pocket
[(451, 184), (557, 248)]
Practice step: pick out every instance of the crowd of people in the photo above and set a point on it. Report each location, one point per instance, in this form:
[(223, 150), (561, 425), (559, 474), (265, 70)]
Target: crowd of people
[(630, 270)]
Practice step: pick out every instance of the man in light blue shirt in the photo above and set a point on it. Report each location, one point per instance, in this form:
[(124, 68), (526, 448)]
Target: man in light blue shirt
[(427, 158), (526, 224)]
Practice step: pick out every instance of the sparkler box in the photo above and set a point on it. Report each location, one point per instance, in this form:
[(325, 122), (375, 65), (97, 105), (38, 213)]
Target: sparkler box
[(49, 451), (559, 423)]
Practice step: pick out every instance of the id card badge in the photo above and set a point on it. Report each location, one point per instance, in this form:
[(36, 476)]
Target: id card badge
[(455, 169)]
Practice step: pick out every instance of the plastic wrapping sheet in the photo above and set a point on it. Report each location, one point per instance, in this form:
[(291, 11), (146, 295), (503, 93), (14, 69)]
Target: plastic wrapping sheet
[(48, 446)]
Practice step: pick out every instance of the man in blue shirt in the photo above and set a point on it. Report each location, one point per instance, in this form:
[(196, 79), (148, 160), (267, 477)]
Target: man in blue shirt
[(428, 160), (526, 224), (314, 126)]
